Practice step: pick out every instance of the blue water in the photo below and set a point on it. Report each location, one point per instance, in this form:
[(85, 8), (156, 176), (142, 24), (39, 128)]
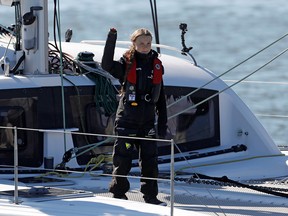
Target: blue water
[(222, 33)]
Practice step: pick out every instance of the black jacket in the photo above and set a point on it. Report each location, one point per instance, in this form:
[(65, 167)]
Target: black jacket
[(142, 115)]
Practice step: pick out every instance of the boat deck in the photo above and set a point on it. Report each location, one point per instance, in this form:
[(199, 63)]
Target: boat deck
[(229, 201), (203, 198)]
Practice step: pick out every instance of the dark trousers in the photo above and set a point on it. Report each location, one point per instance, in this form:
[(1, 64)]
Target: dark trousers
[(122, 161)]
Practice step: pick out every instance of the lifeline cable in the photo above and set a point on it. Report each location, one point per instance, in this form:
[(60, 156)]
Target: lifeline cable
[(228, 87), (248, 186), (237, 65), (57, 22)]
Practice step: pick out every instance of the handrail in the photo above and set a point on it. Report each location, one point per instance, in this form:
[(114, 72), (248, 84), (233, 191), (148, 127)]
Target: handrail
[(172, 179), (16, 165), (16, 198)]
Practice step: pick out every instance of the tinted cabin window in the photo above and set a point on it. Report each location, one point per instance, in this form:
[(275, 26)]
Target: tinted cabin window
[(98, 122), (193, 126), (20, 112), (92, 120), (10, 117)]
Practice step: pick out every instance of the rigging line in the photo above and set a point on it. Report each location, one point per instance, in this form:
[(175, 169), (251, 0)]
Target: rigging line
[(7, 29), (89, 69), (107, 140), (92, 146), (79, 107), (4, 59), (89, 134), (61, 70), (260, 82), (54, 24), (272, 116), (237, 65), (206, 188), (6, 50), (153, 17), (228, 87), (155, 22)]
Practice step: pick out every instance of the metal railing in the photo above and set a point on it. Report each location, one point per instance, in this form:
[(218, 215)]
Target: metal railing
[(16, 199)]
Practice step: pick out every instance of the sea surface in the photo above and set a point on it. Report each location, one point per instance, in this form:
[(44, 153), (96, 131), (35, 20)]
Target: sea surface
[(222, 33)]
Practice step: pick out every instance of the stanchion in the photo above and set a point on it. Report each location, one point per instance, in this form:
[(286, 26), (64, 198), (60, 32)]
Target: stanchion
[(172, 179), (16, 198)]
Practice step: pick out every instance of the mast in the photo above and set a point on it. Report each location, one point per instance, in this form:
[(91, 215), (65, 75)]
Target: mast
[(35, 36), (155, 23)]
